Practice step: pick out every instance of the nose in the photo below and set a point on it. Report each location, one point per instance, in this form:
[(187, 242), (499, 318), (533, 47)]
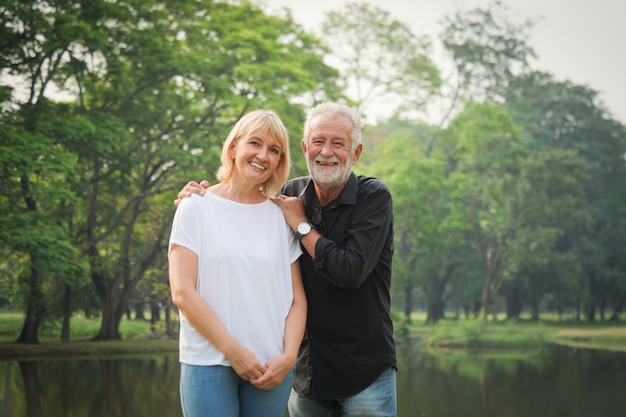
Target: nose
[(327, 149), (263, 152)]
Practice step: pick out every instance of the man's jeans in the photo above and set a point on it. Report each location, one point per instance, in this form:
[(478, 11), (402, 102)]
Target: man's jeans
[(377, 400)]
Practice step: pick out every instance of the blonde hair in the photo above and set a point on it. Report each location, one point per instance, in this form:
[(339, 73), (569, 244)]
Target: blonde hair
[(265, 122)]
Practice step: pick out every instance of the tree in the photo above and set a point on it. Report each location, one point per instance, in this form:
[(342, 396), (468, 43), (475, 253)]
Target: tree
[(192, 97), (487, 151), (554, 209), (523, 204), (563, 115), (35, 167), (416, 182), (153, 89), (488, 49), (380, 58)]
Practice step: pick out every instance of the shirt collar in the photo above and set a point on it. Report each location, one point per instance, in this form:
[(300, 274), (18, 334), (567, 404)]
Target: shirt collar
[(347, 195)]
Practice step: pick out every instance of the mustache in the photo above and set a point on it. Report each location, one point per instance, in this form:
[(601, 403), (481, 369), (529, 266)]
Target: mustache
[(331, 160)]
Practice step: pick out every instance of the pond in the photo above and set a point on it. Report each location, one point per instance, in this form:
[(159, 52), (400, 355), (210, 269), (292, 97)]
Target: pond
[(551, 382)]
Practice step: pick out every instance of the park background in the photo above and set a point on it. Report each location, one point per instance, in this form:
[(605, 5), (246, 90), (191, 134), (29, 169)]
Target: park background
[(508, 181)]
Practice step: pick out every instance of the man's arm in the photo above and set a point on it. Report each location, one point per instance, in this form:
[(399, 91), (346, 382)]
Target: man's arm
[(368, 237), (367, 242)]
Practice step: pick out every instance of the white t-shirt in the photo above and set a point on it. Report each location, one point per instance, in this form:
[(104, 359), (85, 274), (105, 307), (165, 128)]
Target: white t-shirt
[(245, 252)]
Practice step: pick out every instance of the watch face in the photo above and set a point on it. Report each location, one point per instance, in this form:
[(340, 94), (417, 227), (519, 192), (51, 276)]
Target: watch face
[(304, 228)]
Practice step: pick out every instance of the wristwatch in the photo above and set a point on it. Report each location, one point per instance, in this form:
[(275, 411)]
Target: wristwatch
[(303, 230)]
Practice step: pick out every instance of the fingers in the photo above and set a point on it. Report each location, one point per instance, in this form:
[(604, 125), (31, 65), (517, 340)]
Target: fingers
[(245, 363), (257, 372), (192, 187), (181, 195), (269, 380), (278, 199), (184, 193), (254, 373)]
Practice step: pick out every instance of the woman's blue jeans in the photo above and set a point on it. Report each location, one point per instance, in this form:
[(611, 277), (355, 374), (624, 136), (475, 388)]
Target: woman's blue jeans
[(218, 391)]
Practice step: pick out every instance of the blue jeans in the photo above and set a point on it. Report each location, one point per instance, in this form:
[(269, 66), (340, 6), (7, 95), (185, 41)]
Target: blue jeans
[(377, 400), (218, 391)]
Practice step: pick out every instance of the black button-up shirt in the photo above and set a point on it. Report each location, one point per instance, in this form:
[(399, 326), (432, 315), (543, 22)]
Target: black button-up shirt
[(349, 337)]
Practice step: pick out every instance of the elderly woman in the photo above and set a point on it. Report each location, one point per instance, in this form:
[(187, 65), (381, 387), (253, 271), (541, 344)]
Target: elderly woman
[(235, 277)]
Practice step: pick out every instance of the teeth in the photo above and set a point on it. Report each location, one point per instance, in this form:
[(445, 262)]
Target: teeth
[(254, 164), (330, 162)]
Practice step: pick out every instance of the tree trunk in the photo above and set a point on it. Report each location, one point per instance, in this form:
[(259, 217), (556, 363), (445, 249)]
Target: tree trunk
[(155, 314), (534, 312), (435, 310), (408, 301), (67, 314), (602, 308), (513, 300), (434, 296), (476, 309), (169, 328), (111, 318), (35, 311), (591, 311), (466, 311), (139, 307), (486, 301), (617, 310)]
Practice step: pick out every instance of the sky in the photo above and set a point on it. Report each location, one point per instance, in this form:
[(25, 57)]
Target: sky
[(582, 41)]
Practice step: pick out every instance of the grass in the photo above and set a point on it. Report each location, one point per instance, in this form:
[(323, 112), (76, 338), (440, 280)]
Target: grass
[(521, 334), (139, 339)]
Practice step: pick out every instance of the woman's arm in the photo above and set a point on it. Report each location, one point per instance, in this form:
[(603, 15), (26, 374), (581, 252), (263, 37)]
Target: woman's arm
[(278, 367), (183, 267)]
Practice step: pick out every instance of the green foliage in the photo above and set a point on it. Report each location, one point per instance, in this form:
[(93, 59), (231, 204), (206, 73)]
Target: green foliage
[(569, 125), (379, 57), (151, 92), (487, 49)]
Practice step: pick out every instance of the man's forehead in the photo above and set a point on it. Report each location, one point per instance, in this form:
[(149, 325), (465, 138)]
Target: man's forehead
[(327, 124)]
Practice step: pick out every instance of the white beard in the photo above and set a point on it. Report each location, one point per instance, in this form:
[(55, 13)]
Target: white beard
[(329, 177)]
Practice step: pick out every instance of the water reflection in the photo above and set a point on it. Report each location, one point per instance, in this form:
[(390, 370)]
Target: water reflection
[(552, 382), (95, 388)]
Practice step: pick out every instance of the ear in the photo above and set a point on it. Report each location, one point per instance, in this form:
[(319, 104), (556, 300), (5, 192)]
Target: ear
[(304, 146), (357, 153), (231, 149)]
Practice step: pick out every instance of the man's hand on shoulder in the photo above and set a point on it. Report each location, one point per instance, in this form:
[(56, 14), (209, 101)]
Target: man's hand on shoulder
[(192, 187)]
